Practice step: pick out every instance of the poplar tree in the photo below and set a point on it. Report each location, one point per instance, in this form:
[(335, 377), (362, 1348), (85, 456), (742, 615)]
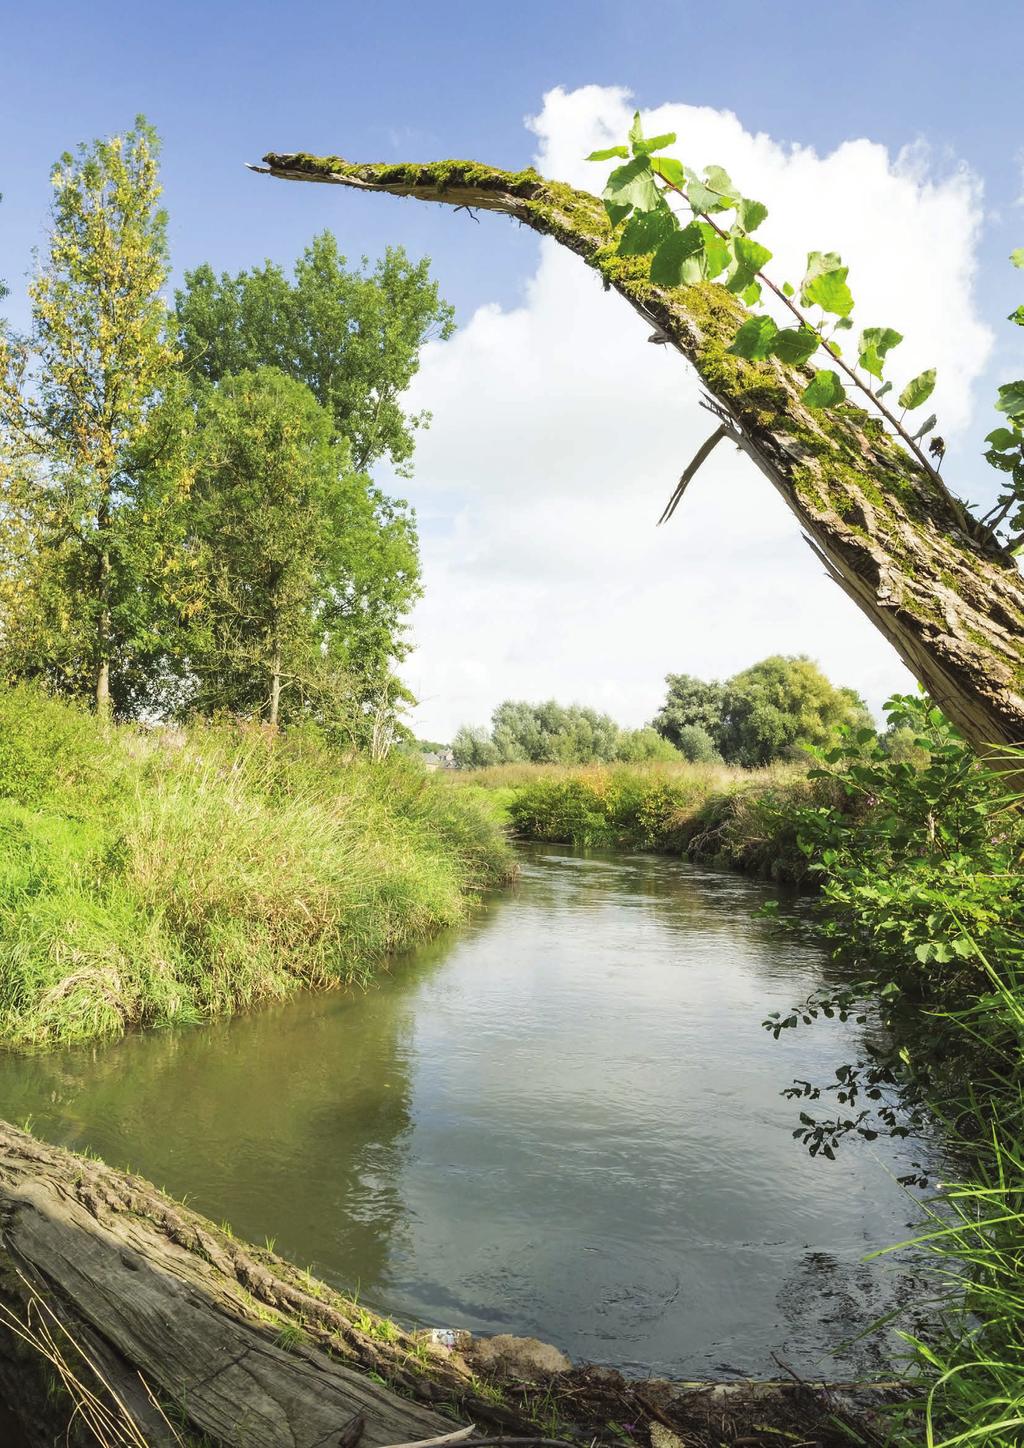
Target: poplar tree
[(75, 399)]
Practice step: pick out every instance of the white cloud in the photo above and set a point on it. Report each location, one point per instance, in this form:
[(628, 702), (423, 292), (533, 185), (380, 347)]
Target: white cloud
[(558, 433)]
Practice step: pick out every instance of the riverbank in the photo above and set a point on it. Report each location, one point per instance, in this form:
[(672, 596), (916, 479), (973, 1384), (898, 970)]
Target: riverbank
[(157, 876), (738, 819)]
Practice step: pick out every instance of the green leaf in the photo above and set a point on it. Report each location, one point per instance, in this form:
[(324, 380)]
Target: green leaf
[(667, 267), (875, 342), (715, 193), (824, 284), (825, 391), (645, 231), (633, 185), (881, 391), (751, 253), (750, 214), (754, 339), (1003, 438), (829, 291), (616, 212), (1011, 399), (918, 390), (717, 253), (1017, 315), (610, 154), (788, 290), (752, 295), (925, 427), (1017, 257), (795, 345), (656, 143), (673, 171), (636, 133)]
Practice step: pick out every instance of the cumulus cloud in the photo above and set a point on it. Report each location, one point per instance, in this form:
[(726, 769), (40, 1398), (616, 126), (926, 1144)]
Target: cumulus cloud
[(559, 432)]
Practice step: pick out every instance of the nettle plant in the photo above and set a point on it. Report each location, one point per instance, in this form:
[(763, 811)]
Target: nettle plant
[(708, 237)]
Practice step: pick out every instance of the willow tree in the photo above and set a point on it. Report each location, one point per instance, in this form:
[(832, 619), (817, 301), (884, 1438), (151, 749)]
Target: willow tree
[(940, 584), (74, 401)]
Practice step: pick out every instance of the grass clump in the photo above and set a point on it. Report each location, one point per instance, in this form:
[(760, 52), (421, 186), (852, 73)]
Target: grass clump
[(157, 876)]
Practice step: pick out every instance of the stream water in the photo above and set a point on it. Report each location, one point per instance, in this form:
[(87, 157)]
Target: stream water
[(563, 1120)]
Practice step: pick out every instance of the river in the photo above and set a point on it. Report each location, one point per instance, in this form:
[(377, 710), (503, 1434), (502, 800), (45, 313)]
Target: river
[(562, 1120)]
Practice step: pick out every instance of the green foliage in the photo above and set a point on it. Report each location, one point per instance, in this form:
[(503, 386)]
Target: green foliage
[(918, 847), (302, 575), (159, 876), (352, 337), (776, 709), (75, 398), (552, 733), (699, 247)]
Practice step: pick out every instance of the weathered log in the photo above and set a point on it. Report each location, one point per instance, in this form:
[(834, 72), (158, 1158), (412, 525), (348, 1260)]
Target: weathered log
[(233, 1343), (932, 578)]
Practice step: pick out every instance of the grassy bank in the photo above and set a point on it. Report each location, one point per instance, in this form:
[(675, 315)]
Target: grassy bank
[(149, 877), (742, 819)]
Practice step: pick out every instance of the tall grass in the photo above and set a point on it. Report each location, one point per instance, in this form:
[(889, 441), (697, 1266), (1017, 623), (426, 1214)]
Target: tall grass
[(148, 877)]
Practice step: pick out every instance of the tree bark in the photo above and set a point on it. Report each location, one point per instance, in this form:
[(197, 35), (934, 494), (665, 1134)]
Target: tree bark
[(232, 1341), (933, 579)]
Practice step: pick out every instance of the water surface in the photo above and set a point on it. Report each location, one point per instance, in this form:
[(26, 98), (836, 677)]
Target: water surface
[(562, 1120)]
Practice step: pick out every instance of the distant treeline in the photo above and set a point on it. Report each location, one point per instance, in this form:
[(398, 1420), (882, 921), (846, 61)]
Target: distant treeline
[(773, 710)]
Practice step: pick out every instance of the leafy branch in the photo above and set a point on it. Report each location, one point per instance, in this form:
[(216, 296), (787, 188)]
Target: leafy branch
[(636, 198)]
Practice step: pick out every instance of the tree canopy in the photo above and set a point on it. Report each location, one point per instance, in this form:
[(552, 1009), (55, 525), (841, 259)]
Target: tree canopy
[(773, 710), (352, 336)]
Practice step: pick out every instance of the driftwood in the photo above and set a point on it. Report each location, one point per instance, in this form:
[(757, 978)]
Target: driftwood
[(931, 577)]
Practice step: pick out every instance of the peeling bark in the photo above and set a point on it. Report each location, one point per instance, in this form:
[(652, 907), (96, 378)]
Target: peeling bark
[(932, 578)]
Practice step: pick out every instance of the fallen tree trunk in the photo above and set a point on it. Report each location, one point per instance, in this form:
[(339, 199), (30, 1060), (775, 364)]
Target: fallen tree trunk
[(932, 578), (229, 1342)]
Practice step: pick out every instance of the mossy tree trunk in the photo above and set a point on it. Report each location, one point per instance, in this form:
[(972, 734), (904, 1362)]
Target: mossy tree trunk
[(933, 579)]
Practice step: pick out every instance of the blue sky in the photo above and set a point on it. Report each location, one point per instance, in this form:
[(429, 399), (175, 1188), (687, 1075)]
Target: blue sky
[(224, 83)]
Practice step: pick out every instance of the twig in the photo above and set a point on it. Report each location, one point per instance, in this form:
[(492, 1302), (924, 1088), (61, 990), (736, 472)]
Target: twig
[(700, 457)]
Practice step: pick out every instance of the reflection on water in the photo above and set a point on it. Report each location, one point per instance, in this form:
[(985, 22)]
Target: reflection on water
[(563, 1120)]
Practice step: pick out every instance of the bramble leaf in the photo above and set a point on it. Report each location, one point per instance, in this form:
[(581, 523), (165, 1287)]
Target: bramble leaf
[(754, 339), (715, 193), (645, 231), (875, 342), (669, 261), (609, 154), (825, 391), (918, 390), (633, 185), (1011, 399), (824, 284), (656, 143), (750, 214), (795, 345)]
